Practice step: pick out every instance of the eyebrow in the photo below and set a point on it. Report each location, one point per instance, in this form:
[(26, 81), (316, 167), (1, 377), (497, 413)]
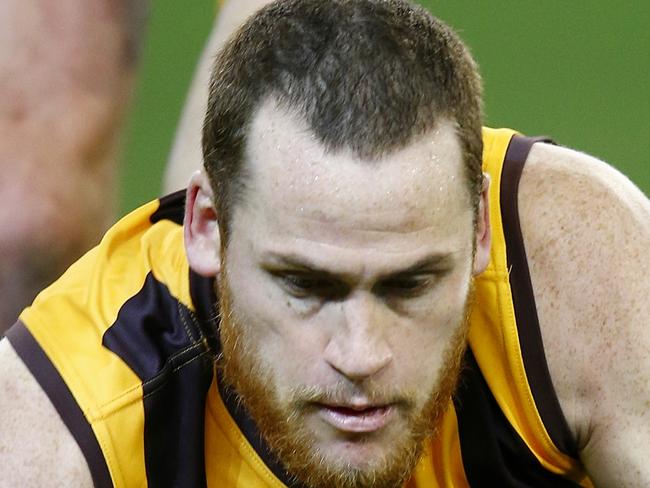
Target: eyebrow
[(426, 263), (301, 263)]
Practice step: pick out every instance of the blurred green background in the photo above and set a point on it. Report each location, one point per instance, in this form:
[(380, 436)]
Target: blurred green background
[(577, 71)]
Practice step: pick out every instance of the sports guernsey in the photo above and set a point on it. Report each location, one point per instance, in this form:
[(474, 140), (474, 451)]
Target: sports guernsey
[(124, 346)]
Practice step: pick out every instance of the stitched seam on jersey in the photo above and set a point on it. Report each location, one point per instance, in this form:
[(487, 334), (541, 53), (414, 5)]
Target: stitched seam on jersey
[(68, 366), (197, 324), (109, 432), (195, 345), (107, 409), (112, 410), (186, 326), (175, 370)]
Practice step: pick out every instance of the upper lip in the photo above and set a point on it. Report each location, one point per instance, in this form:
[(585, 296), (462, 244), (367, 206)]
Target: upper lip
[(357, 407)]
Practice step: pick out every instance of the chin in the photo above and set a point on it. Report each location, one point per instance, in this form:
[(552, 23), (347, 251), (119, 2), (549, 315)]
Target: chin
[(358, 464), (384, 458), (361, 452)]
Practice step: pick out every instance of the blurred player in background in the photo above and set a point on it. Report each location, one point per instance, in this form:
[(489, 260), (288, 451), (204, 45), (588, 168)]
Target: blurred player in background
[(67, 72)]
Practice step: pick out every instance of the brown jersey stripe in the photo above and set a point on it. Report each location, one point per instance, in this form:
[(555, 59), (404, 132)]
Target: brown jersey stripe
[(493, 453), (162, 342), (206, 309), (172, 207), (53, 385), (530, 338)]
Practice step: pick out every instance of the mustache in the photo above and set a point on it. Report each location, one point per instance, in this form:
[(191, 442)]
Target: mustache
[(346, 393)]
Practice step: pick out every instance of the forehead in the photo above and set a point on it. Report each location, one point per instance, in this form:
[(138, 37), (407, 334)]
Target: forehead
[(295, 187)]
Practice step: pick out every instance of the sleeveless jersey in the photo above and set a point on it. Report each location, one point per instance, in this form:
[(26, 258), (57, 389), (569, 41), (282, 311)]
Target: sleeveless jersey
[(124, 345)]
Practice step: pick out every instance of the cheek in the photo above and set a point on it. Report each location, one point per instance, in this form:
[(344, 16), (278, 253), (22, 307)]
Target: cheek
[(418, 355), (287, 346), (420, 348)]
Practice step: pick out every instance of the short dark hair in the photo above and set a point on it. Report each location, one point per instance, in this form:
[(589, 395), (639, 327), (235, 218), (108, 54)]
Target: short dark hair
[(368, 75)]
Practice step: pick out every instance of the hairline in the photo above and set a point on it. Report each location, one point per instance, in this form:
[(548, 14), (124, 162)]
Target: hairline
[(272, 97)]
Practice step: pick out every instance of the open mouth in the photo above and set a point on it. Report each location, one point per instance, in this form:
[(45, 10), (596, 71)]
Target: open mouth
[(359, 419)]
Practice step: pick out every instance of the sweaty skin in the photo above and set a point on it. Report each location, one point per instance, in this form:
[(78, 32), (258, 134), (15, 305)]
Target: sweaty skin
[(346, 275)]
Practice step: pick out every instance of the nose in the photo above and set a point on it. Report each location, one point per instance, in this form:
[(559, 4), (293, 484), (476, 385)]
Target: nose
[(358, 349)]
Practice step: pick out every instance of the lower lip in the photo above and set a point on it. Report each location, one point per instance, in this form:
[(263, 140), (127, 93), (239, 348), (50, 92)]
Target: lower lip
[(364, 421)]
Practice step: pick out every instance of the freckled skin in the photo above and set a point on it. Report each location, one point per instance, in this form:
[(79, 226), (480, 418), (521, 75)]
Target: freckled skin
[(49, 456), (587, 234)]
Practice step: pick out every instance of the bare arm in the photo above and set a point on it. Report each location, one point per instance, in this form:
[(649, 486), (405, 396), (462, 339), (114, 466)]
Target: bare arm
[(36, 448), (66, 72), (186, 156), (587, 234)]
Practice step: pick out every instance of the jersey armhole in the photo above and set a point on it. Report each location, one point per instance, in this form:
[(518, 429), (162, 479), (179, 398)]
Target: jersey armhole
[(528, 329), (55, 388)]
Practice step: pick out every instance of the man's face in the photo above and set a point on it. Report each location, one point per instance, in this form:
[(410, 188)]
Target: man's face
[(344, 292)]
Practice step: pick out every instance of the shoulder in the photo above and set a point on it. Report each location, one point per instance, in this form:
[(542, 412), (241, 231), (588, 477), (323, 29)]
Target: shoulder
[(590, 224), (36, 448), (577, 210), (586, 229)]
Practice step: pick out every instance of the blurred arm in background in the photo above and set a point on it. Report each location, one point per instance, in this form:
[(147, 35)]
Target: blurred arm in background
[(186, 157), (67, 70)]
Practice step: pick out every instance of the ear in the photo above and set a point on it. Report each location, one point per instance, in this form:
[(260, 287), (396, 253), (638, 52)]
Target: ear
[(483, 231), (200, 227)]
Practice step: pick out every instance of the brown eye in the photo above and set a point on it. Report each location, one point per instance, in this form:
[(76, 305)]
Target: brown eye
[(404, 287), (302, 285)]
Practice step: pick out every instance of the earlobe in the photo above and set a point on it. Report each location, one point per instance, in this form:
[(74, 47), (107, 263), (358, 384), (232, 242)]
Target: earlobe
[(200, 227), (483, 230)]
